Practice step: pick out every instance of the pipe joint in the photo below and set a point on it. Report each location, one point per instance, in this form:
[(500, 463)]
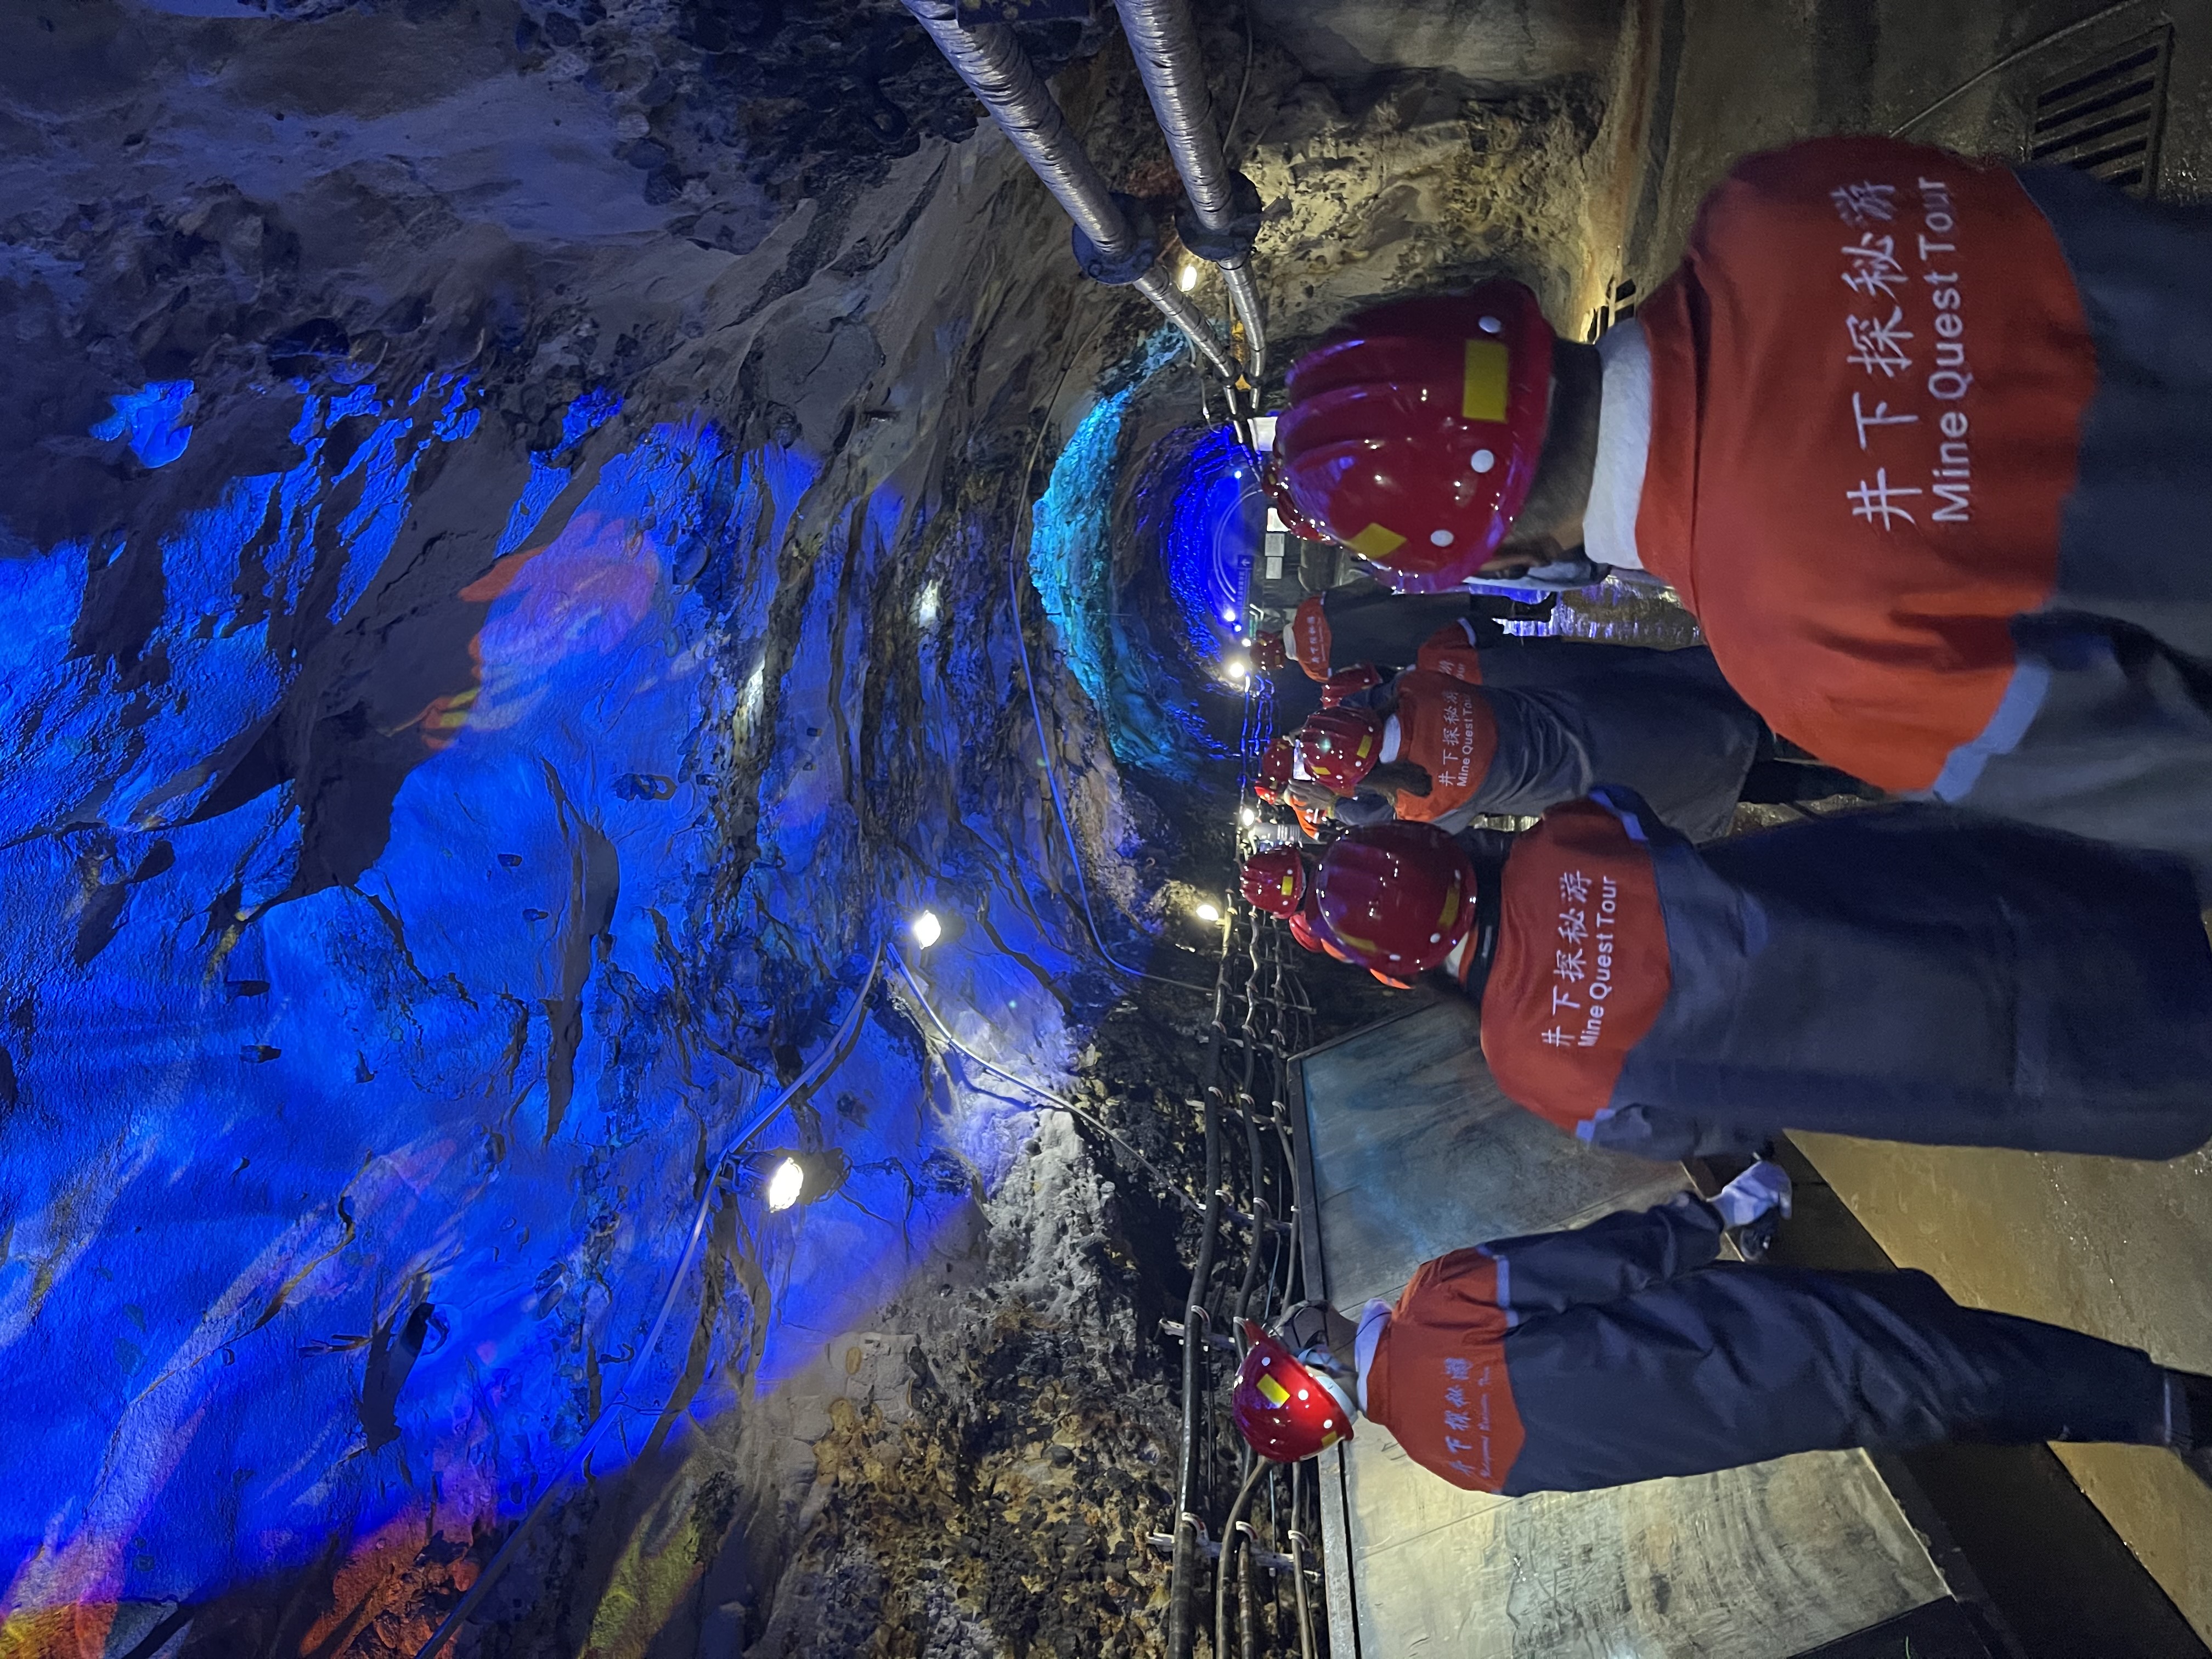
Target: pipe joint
[(1230, 242), (1118, 267)]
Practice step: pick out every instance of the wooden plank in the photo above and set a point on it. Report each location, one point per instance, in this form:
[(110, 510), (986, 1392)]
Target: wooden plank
[(1413, 1151)]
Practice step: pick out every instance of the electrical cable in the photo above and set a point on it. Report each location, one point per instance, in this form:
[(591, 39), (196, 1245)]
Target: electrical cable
[(839, 1046), (1168, 1183)]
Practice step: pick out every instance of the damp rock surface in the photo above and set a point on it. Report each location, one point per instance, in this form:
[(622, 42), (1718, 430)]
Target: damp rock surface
[(512, 541)]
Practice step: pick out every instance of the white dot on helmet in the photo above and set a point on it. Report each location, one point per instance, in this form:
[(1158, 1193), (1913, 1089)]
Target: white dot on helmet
[(1303, 1395), (1482, 461), (1328, 1422), (1441, 538), (1492, 326)]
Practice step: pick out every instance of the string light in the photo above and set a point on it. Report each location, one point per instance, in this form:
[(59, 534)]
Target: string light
[(1187, 278), (927, 930), (1208, 911), (1247, 817)]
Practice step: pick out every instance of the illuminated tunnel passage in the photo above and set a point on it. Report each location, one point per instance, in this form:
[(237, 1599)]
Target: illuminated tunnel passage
[(536, 546)]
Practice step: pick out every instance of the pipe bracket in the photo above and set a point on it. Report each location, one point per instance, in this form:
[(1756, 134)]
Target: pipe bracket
[(1120, 269), (1234, 240)]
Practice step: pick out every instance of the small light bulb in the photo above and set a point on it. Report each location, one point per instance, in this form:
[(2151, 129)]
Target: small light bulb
[(1247, 817), (1238, 668), (1187, 279), (784, 1185), (927, 930), (1208, 912)]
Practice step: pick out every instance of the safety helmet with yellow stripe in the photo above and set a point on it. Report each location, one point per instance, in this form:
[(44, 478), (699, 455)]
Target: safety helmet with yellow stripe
[(1399, 897), (1284, 1408), (1414, 433)]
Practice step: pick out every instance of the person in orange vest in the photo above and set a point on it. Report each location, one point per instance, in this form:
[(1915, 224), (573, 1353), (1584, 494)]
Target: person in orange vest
[(1429, 747), (1906, 973), (1626, 1350), (1920, 440)]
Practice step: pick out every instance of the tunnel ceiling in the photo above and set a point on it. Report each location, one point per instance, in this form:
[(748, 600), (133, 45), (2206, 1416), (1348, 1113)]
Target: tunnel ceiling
[(505, 534)]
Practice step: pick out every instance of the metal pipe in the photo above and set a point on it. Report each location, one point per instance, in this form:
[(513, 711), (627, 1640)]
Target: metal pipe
[(1164, 42), (1155, 286), (1237, 276), (999, 72)]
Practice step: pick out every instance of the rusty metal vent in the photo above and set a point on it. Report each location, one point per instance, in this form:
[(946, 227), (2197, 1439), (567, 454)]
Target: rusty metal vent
[(2104, 117)]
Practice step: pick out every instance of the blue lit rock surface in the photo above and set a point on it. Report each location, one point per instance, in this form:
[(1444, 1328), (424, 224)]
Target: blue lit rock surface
[(504, 546)]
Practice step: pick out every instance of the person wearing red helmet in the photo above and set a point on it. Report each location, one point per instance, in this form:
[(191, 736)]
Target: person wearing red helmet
[(1365, 621), (1919, 439), (1273, 879), (1626, 1351), (1900, 974), (1664, 724)]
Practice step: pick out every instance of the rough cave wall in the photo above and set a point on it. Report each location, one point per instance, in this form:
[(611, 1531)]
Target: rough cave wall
[(504, 541)]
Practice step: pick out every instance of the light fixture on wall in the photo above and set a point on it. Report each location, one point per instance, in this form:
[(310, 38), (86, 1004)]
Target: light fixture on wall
[(790, 1177), (1187, 278), (786, 1184), (927, 929), (1207, 911)]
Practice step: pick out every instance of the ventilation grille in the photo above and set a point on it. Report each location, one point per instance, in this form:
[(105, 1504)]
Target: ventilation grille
[(2104, 117)]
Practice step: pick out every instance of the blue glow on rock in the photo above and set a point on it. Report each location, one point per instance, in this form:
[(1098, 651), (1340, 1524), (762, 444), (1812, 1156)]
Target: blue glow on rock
[(150, 420), (263, 1133), (1215, 523), (1150, 723)]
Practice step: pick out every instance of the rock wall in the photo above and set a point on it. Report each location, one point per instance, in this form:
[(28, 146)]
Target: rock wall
[(506, 536)]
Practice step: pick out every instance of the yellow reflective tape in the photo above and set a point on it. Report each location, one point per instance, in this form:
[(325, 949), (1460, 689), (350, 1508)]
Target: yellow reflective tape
[(1375, 542), (1450, 912), (1482, 394), (1273, 1392), (1288, 883)]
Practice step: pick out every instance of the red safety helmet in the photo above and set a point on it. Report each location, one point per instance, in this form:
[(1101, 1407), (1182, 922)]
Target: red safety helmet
[(1275, 880), (1267, 653), (1311, 932), (1295, 520), (1413, 434), (1284, 1410), (1399, 897), (1340, 746), (1277, 767), (1349, 683)]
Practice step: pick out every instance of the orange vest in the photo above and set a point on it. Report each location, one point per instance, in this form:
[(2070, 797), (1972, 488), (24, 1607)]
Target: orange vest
[(1868, 380), (1449, 652), (1438, 1381), (1306, 640), (1581, 969), (1448, 731)]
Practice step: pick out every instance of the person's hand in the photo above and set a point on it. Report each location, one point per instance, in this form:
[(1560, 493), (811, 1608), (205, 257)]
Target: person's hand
[(1763, 1187)]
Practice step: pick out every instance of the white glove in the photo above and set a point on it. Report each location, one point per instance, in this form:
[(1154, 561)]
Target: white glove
[(1765, 1186)]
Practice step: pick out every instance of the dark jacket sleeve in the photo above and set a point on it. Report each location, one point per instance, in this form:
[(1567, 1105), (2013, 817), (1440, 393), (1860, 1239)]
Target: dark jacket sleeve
[(1615, 1255)]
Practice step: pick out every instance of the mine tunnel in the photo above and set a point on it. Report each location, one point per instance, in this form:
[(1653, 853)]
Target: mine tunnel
[(691, 838)]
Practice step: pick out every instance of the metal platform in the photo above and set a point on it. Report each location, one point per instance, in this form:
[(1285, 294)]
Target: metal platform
[(1410, 1151)]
